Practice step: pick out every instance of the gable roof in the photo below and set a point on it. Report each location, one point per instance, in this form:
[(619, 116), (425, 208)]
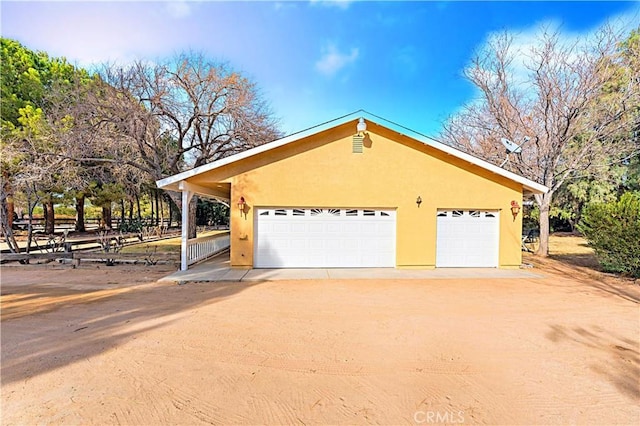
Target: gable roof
[(172, 182)]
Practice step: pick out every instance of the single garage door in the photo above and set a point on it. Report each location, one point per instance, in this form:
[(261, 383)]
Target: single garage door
[(324, 238), (467, 238)]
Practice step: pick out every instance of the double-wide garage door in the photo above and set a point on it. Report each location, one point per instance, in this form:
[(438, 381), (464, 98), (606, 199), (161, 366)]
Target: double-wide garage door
[(351, 238), (467, 238), (324, 238)]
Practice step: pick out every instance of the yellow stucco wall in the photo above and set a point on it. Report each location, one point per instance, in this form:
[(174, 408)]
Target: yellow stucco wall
[(393, 170)]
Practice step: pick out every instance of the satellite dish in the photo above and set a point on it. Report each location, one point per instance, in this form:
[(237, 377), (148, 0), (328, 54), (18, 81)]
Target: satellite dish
[(512, 147)]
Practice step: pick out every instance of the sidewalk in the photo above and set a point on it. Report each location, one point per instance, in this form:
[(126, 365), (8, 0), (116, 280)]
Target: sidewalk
[(219, 269)]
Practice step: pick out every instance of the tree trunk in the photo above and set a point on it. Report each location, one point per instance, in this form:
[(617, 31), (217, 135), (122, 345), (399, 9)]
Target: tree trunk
[(176, 198), (10, 210), (45, 213), (161, 206), (122, 212), (80, 213), (7, 199), (170, 202), (175, 203), (152, 208), (544, 203), (106, 216), (6, 216), (155, 193), (192, 216), (31, 205), (130, 210), (49, 216), (139, 209)]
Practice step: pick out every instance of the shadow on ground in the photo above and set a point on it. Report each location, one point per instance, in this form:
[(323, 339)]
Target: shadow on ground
[(626, 289), (619, 362), (586, 260), (35, 344)]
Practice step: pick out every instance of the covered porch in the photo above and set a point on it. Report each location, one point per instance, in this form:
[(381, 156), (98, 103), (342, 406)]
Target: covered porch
[(194, 250)]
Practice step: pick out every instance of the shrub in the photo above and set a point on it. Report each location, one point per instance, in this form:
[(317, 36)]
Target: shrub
[(613, 230), (65, 211), (131, 225)]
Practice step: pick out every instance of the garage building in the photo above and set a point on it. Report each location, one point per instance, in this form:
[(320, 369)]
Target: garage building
[(340, 196)]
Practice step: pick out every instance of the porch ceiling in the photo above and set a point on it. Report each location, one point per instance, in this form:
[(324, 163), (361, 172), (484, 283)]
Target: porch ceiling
[(217, 190)]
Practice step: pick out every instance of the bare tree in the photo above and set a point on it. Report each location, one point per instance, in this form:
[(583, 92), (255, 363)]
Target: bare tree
[(164, 118), (577, 103)]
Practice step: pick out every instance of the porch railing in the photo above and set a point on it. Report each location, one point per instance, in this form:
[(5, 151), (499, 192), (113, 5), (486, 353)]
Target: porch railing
[(201, 248)]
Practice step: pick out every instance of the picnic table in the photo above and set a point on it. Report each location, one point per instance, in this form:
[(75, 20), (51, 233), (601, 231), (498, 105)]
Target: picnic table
[(529, 239)]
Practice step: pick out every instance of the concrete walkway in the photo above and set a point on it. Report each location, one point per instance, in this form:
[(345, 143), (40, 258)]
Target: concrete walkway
[(218, 269)]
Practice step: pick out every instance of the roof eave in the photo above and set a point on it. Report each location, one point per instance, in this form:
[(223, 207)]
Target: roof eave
[(166, 183), (536, 189), (171, 182)]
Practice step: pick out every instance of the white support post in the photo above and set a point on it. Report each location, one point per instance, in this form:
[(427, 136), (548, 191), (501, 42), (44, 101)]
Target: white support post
[(186, 199)]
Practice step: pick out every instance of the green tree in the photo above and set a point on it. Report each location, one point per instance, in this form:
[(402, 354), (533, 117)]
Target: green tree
[(25, 77), (212, 213), (613, 230), (30, 139), (576, 194), (104, 195)]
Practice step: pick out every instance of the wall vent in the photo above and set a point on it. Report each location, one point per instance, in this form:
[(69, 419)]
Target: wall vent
[(358, 141)]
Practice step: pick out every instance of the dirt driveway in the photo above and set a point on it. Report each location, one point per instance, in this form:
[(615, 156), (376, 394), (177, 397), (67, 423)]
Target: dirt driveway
[(111, 346)]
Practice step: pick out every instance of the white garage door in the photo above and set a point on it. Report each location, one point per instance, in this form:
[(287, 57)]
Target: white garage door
[(467, 238), (329, 238)]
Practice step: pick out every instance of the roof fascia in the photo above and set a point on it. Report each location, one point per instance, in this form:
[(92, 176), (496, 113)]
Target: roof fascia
[(171, 181)]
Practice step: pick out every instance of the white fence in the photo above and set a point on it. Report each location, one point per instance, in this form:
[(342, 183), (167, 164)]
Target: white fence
[(201, 248)]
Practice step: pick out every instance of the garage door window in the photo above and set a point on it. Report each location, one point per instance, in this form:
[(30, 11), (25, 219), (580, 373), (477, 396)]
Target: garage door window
[(466, 213), (324, 212)]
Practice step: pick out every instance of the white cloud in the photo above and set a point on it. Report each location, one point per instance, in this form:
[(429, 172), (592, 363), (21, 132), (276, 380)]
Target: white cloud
[(526, 41), (178, 8), (284, 5), (340, 4), (333, 60)]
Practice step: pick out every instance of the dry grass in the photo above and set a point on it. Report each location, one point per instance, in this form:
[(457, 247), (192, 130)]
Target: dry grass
[(170, 245), (564, 244), (569, 254), (572, 249)]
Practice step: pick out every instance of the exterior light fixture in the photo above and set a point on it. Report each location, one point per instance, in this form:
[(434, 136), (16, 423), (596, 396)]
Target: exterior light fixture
[(362, 126), (418, 201), (241, 204), (515, 208)]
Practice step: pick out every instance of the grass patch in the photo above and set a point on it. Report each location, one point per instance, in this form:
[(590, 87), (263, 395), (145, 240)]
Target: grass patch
[(565, 244), (572, 249)]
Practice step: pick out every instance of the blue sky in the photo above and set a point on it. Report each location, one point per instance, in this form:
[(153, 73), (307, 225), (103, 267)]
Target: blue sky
[(313, 61)]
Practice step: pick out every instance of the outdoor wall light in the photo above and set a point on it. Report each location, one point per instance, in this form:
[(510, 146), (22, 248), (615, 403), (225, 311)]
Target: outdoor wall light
[(362, 126), (515, 208), (241, 204), (418, 201)]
